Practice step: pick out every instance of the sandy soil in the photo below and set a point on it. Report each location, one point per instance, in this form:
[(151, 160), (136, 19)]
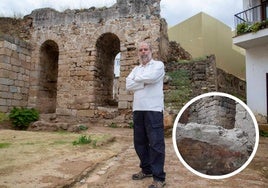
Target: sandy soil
[(43, 159), (46, 159)]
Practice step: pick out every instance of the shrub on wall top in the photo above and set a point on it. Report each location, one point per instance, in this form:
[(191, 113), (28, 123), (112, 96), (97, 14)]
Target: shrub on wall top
[(22, 117)]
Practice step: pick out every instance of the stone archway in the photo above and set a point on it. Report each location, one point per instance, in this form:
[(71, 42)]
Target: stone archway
[(108, 46), (48, 77)]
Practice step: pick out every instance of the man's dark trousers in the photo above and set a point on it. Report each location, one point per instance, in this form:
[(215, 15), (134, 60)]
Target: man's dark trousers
[(149, 142)]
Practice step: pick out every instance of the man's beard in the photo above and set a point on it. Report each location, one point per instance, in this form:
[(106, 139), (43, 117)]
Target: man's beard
[(145, 58)]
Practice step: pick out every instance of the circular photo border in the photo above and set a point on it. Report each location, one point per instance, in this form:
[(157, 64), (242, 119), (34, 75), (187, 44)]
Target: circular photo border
[(215, 176)]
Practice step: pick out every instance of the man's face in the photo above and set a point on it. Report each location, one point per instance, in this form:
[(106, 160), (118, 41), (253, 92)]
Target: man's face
[(145, 53)]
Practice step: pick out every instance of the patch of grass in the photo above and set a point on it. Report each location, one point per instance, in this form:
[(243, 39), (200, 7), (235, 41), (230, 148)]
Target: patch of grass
[(4, 145), (82, 140), (93, 140), (113, 125)]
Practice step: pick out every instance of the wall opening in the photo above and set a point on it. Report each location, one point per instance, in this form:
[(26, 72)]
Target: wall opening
[(48, 77), (116, 76), (108, 46)]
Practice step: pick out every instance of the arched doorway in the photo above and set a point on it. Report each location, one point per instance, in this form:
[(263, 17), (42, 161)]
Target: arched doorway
[(48, 76), (108, 46)]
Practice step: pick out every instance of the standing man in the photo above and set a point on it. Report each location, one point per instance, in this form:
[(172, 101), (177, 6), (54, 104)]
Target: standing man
[(146, 80)]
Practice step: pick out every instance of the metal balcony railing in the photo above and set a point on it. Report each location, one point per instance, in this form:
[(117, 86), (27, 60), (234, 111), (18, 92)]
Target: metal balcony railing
[(253, 15)]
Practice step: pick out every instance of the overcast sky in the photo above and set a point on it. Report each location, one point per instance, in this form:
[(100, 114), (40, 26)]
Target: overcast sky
[(174, 11)]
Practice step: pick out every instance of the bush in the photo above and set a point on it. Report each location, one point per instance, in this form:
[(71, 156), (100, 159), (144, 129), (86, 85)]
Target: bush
[(22, 117)]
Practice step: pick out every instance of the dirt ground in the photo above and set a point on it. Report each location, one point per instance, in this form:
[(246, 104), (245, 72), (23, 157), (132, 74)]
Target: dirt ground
[(42, 159)]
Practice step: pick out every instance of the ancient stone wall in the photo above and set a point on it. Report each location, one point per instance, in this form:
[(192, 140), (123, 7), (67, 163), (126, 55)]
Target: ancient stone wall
[(213, 110), (80, 46), (202, 74), (205, 77), (15, 64), (228, 83), (19, 28)]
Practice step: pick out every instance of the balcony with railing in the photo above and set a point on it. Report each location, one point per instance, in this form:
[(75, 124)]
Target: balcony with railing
[(253, 15), (252, 26)]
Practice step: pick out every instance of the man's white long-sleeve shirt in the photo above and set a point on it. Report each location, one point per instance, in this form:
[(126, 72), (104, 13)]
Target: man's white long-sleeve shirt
[(147, 83)]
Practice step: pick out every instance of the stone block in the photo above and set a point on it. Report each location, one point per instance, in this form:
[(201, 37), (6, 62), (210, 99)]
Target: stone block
[(125, 98), (3, 102), (4, 109), (122, 105), (6, 81), (86, 113)]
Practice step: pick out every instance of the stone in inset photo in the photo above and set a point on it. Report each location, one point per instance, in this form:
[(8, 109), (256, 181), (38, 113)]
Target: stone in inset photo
[(215, 135)]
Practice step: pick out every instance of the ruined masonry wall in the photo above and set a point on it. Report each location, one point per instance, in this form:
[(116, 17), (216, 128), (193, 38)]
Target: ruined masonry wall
[(15, 61), (214, 110), (205, 77), (84, 44)]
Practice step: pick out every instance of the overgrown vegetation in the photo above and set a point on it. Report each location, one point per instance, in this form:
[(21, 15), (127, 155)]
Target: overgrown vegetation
[(22, 117), (182, 92)]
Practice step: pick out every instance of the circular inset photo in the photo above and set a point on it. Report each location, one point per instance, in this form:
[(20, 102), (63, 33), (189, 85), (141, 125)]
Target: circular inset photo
[(215, 135)]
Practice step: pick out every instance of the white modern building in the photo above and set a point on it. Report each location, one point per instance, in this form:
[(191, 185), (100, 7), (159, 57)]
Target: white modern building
[(255, 42)]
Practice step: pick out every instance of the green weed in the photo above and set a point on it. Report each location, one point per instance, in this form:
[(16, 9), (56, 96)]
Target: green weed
[(82, 140), (4, 145)]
